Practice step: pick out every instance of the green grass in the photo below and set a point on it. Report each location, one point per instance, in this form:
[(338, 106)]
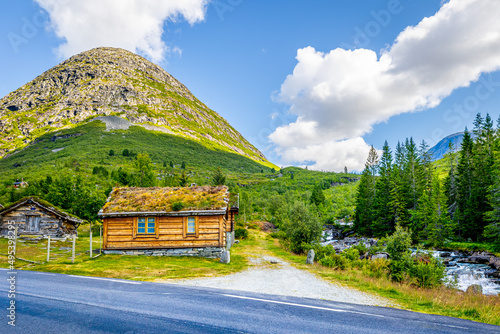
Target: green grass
[(471, 247), (39, 160)]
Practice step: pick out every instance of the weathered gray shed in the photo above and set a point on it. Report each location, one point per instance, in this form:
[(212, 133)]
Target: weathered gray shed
[(34, 216)]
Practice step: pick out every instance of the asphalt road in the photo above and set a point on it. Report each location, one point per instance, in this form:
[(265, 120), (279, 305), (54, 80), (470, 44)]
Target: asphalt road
[(55, 303)]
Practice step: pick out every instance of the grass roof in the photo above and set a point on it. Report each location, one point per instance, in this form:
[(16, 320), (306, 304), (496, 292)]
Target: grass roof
[(166, 199), (47, 205)]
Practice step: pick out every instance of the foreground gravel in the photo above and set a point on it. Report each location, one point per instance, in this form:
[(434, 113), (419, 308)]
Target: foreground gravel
[(281, 278)]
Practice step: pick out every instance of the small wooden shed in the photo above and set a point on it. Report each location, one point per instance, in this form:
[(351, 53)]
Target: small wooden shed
[(196, 221), (34, 216)]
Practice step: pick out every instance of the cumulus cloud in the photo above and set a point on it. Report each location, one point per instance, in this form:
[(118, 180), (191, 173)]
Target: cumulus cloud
[(135, 25), (338, 96)]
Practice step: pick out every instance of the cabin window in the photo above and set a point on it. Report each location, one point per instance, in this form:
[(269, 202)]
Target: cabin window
[(146, 226), (191, 226)]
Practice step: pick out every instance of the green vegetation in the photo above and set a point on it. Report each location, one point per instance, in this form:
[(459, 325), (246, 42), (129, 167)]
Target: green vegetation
[(407, 190)]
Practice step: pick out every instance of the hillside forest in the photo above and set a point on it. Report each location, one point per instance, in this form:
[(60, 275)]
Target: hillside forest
[(460, 202)]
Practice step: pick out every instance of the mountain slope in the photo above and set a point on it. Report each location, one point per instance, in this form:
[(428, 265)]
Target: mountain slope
[(439, 150), (109, 81)]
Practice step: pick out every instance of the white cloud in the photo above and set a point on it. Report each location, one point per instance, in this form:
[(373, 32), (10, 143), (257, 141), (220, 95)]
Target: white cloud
[(331, 155), (341, 94), (135, 25)]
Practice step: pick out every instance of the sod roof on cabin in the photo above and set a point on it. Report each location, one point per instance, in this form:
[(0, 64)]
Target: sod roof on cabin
[(44, 204), (166, 199)]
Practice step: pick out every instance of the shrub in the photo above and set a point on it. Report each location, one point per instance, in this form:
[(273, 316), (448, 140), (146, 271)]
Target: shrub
[(334, 261), (177, 206), (302, 226), (378, 268), (351, 254), (240, 233), (399, 243), (278, 235)]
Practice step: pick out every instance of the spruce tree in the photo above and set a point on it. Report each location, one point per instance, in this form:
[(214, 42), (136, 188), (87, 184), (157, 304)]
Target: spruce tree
[(363, 216), (383, 222), (464, 214)]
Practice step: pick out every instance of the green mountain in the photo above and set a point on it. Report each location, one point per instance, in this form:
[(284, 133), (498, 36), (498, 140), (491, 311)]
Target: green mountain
[(104, 82)]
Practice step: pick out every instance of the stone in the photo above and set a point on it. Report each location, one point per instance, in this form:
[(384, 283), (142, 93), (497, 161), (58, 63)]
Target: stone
[(495, 262), (380, 255), (475, 289), (310, 257), (225, 257), (479, 259)]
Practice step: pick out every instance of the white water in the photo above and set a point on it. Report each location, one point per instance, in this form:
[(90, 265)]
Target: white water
[(463, 275)]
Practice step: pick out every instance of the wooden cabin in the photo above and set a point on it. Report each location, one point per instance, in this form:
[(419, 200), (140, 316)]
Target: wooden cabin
[(195, 221), (34, 216)]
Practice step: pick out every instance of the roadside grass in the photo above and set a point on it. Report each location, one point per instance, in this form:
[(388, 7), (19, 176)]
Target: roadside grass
[(441, 301), (134, 267)]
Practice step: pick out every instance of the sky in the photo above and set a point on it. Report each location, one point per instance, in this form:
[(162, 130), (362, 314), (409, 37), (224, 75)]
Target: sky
[(309, 83)]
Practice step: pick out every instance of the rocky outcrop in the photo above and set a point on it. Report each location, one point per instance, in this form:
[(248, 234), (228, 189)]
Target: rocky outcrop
[(107, 82)]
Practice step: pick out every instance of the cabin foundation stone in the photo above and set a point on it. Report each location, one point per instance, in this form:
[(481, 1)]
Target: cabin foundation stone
[(208, 252)]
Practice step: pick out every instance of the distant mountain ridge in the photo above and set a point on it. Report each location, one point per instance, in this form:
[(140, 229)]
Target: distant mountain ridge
[(441, 148), (113, 82)]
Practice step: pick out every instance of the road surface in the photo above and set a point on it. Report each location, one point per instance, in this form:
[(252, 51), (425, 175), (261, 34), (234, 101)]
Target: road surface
[(56, 303)]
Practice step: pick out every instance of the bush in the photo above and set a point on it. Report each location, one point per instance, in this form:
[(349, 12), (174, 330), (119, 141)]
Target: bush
[(302, 227), (240, 233), (351, 254), (378, 268), (399, 243), (422, 270), (334, 261)]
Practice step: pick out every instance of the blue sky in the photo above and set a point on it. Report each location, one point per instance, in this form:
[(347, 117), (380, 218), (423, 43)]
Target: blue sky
[(307, 82)]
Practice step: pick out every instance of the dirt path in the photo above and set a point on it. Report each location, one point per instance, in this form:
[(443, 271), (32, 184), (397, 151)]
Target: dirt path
[(272, 275)]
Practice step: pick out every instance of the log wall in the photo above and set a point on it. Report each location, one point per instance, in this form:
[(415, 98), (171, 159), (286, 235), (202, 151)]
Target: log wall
[(119, 233), (48, 223)]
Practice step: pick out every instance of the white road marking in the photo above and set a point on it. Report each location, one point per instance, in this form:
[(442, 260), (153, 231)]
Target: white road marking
[(106, 279), (306, 306), (333, 309), (48, 274)]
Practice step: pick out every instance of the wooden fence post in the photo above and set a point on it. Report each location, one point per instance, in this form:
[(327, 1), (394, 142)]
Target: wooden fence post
[(48, 249), (90, 234), (15, 241), (73, 250)]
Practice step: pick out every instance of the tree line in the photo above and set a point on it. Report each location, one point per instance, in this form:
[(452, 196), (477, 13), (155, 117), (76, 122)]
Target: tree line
[(405, 189)]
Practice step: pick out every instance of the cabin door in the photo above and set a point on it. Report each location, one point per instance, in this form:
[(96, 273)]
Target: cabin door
[(33, 223)]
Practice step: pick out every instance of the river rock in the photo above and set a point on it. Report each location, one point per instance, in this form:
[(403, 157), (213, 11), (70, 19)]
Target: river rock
[(310, 257), (479, 259), (380, 255), (475, 289), (495, 262)]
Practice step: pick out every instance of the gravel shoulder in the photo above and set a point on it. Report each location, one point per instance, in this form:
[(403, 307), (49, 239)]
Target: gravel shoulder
[(271, 275)]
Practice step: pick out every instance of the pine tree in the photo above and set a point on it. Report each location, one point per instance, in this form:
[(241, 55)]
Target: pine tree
[(383, 211), (399, 188), (363, 215), (317, 196), (464, 214), (450, 182), (218, 178)]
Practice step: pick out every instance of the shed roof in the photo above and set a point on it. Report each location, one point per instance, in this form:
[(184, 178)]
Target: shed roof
[(165, 200), (45, 205)]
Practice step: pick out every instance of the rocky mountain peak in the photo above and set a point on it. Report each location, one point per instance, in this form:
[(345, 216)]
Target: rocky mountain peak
[(111, 81)]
